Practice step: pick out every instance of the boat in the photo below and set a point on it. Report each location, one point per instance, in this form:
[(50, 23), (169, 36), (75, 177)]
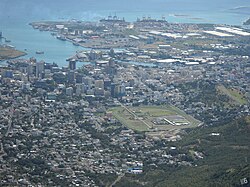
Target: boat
[(39, 52), (63, 38), (10, 46), (6, 40), (75, 43)]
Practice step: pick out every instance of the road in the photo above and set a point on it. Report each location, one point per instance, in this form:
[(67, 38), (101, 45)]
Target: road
[(117, 180), (10, 120)]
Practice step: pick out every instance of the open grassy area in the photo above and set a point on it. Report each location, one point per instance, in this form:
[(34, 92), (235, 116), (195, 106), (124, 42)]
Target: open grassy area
[(153, 111), (126, 119), (191, 119), (144, 118), (235, 95)]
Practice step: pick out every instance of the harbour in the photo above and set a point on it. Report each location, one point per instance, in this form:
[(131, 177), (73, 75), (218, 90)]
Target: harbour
[(37, 44), (24, 38)]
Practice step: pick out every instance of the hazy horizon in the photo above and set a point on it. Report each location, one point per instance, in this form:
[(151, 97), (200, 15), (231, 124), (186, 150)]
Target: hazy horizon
[(91, 9)]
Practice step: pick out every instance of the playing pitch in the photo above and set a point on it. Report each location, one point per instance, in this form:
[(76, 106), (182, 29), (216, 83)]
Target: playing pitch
[(153, 118)]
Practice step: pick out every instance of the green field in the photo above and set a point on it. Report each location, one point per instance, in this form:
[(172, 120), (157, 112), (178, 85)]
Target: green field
[(233, 94), (144, 118)]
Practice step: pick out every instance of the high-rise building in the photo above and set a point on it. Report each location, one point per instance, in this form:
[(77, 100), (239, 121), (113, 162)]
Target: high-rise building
[(71, 77), (99, 84), (31, 69), (107, 83), (7, 74), (93, 55), (111, 62), (115, 90), (122, 89), (99, 87), (79, 78), (69, 91), (79, 89), (88, 82), (39, 69), (72, 64)]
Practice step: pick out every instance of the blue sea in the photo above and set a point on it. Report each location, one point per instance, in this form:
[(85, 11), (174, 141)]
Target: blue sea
[(16, 14)]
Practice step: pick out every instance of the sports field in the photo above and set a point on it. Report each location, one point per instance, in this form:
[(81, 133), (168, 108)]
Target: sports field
[(153, 118)]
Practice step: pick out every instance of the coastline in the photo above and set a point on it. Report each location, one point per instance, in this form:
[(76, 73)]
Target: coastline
[(58, 51), (7, 53)]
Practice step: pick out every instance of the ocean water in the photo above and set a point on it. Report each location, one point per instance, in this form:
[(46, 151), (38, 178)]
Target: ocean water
[(26, 39), (16, 14)]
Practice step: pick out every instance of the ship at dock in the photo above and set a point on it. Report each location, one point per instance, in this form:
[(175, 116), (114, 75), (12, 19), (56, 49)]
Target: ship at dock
[(76, 44), (151, 22), (112, 19), (60, 37), (149, 19)]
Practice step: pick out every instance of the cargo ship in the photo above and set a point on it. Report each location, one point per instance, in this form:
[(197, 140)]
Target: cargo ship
[(63, 38)]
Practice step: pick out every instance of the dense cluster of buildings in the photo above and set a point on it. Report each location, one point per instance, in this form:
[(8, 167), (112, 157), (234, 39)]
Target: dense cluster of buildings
[(58, 117), (55, 123), (57, 133)]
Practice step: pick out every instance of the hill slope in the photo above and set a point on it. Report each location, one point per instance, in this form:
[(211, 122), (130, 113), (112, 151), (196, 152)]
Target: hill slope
[(226, 159)]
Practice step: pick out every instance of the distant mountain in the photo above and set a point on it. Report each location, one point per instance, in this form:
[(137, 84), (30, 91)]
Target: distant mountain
[(247, 22), (241, 10)]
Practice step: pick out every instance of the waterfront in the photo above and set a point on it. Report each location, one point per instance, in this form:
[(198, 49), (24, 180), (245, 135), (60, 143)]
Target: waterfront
[(181, 121), (15, 24), (26, 39)]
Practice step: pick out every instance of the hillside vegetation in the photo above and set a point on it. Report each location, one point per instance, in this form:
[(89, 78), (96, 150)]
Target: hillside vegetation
[(226, 159)]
